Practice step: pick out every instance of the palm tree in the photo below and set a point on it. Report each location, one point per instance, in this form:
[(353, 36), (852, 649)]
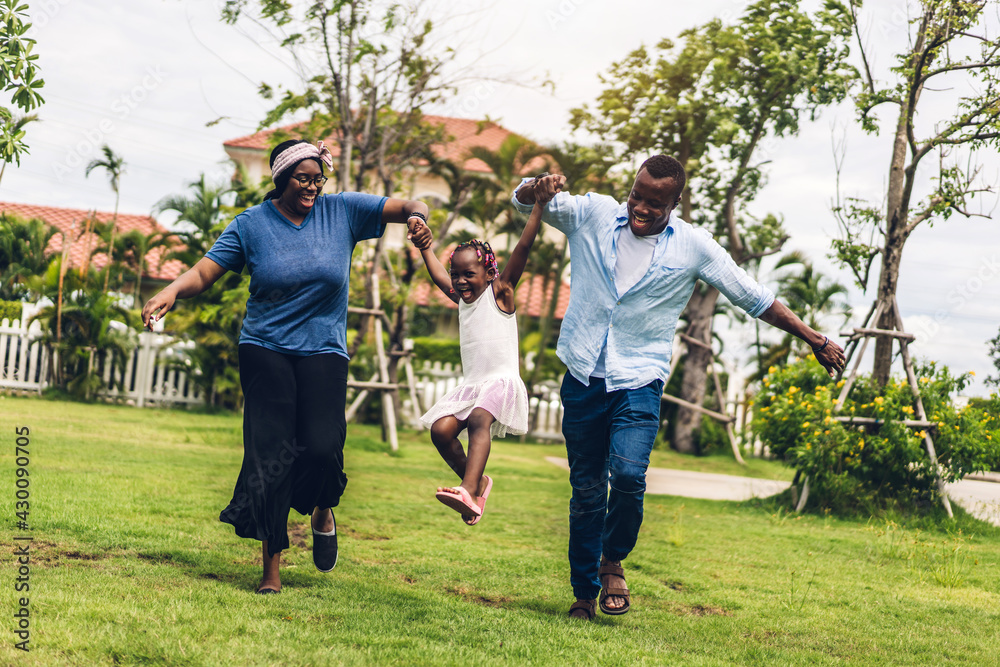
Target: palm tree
[(812, 296), (114, 164), (204, 211), (88, 325), (14, 127), (490, 205), (22, 254), (133, 247)]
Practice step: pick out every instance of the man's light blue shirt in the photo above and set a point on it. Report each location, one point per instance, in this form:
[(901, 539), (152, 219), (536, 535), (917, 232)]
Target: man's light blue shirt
[(637, 326)]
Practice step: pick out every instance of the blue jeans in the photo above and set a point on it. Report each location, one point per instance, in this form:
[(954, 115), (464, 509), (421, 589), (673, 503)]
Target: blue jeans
[(608, 438)]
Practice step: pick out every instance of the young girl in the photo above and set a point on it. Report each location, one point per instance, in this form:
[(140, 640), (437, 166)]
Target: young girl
[(492, 400)]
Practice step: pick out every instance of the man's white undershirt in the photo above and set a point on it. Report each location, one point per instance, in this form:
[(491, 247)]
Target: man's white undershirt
[(634, 255)]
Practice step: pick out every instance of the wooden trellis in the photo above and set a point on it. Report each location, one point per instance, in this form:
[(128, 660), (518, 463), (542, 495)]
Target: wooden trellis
[(380, 381), (862, 335), (726, 419)]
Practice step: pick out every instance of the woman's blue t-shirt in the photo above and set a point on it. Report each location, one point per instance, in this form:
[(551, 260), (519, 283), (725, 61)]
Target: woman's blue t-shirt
[(299, 275)]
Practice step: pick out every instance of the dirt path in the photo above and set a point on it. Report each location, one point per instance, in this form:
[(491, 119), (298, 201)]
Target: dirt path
[(979, 496)]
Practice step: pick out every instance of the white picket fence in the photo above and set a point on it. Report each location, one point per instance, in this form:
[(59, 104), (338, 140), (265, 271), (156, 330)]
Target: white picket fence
[(434, 380), (146, 379)]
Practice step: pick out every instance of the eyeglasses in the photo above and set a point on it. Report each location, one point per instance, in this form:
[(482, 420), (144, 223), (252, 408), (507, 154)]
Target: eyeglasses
[(304, 180)]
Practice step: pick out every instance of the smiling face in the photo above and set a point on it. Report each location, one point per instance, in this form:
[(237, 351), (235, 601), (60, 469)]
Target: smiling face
[(297, 198), (650, 203), (468, 275)]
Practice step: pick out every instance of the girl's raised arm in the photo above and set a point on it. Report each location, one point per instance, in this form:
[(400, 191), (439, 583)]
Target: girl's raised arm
[(442, 278), (519, 257)]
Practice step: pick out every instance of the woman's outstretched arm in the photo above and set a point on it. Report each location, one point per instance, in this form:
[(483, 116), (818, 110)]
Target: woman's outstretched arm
[(191, 283)]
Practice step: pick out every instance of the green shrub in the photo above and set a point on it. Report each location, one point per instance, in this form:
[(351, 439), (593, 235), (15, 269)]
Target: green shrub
[(10, 310), (855, 467), (445, 350)]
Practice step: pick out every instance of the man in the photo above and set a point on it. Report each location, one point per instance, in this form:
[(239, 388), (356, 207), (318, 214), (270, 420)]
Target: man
[(634, 268)]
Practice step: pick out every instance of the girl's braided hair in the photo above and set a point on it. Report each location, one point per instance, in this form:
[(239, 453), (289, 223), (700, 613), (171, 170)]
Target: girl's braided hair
[(483, 251)]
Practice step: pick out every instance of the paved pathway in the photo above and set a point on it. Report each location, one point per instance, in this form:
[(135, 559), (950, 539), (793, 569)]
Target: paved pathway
[(979, 497)]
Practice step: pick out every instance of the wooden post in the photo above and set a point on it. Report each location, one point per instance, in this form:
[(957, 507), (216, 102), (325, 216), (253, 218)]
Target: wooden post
[(915, 388), (388, 410)]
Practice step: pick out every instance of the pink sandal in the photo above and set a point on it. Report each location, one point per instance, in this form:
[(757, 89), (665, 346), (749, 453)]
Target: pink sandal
[(459, 500), (482, 502)]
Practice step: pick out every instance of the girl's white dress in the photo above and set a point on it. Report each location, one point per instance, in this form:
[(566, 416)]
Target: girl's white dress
[(491, 376)]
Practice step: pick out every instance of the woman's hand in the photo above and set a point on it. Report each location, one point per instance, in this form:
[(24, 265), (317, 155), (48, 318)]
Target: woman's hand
[(162, 302), (421, 236)]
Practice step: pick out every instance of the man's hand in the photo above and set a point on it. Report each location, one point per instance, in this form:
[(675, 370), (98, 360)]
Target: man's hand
[(830, 356), (542, 188), (547, 186)]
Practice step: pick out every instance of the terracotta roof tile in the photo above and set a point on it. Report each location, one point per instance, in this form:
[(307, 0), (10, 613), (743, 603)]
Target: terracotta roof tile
[(465, 134), (72, 221)]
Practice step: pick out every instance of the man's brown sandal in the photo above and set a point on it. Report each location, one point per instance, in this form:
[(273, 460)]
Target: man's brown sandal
[(589, 607), (623, 592)]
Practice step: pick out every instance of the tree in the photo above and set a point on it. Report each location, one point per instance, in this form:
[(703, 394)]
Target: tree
[(948, 46), (133, 247), (994, 351), (376, 70), (22, 255), (202, 216), (114, 165), (89, 327), (12, 131), (19, 75), (715, 102)]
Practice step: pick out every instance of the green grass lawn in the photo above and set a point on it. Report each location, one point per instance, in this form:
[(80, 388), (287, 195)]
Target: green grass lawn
[(130, 565)]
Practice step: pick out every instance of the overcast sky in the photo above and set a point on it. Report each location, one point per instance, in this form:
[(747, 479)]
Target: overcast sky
[(147, 77)]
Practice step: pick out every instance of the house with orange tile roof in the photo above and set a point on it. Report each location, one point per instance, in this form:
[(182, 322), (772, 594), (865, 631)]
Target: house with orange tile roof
[(72, 226)]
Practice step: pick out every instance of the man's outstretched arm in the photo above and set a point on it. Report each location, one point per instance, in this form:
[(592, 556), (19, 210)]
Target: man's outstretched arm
[(828, 353)]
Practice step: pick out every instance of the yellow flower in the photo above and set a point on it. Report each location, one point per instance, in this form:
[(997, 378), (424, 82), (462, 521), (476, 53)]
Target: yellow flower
[(925, 380), (793, 389), (827, 419), (861, 444), (921, 434), (816, 433), (841, 384), (826, 432), (772, 369), (879, 400), (907, 409), (973, 373), (805, 425), (809, 445)]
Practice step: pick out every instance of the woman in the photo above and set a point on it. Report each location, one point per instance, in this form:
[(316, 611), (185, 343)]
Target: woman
[(297, 248)]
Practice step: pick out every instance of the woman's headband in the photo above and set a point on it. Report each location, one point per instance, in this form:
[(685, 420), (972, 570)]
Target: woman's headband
[(292, 155)]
